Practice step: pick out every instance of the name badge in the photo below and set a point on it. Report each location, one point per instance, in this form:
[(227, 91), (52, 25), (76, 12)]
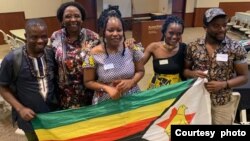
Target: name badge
[(108, 66), (222, 57), (163, 62)]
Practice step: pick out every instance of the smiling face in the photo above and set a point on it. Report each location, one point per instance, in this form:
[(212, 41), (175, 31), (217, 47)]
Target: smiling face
[(173, 33), (114, 32), (72, 19), (36, 39), (216, 29)]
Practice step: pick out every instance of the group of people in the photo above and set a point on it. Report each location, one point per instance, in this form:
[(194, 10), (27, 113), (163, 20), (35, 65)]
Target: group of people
[(79, 69)]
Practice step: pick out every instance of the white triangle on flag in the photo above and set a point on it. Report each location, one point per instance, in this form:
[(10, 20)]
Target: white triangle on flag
[(195, 102)]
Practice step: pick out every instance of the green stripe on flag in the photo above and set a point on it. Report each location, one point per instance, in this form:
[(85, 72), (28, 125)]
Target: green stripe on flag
[(109, 107)]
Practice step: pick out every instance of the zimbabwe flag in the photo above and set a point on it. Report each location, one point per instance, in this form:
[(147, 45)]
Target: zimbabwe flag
[(143, 116)]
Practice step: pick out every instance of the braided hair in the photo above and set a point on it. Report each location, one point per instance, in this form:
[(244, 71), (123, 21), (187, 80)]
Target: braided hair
[(171, 19), (111, 11), (104, 15)]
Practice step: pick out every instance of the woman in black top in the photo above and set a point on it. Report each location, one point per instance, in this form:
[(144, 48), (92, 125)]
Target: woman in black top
[(168, 54)]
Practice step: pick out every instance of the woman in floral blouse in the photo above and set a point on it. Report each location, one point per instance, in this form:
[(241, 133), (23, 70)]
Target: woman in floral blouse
[(67, 43)]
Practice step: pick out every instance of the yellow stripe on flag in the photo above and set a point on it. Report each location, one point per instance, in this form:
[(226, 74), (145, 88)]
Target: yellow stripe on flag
[(103, 123)]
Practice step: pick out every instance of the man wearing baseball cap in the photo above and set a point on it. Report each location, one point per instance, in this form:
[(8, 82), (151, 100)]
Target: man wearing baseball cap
[(217, 57)]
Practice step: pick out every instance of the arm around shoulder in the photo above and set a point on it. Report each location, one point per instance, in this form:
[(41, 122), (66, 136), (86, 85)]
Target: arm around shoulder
[(147, 53), (139, 72)]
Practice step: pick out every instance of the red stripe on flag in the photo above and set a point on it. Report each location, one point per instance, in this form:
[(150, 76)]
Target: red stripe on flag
[(117, 133)]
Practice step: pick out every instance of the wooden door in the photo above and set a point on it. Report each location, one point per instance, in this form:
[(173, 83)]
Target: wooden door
[(91, 14), (179, 8)]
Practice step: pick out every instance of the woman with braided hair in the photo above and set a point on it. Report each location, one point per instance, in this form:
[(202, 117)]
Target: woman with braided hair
[(111, 69), (104, 15), (168, 54)]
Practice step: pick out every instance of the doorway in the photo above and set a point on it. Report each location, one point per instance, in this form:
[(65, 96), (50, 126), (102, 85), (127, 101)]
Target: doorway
[(179, 8)]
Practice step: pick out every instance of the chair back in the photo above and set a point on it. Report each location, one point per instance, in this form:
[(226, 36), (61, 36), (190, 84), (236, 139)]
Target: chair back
[(19, 43), (11, 41), (236, 98), (4, 35)]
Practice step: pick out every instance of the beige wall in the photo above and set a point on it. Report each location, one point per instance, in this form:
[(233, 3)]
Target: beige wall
[(214, 3), (145, 6), (7, 6), (47, 8), (41, 8), (165, 6), (152, 6), (99, 6), (124, 6), (31, 8), (158, 5), (190, 4)]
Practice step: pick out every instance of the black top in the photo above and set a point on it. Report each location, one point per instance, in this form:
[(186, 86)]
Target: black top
[(171, 65)]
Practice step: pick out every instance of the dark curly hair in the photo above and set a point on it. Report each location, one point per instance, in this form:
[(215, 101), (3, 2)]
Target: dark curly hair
[(111, 11), (62, 8), (171, 19)]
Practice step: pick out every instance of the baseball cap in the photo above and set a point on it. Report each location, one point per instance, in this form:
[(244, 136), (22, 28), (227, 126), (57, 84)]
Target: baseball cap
[(211, 13)]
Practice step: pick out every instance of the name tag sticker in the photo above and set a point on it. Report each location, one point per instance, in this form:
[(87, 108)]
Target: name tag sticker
[(163, 62), (222, 57), (108, 66)]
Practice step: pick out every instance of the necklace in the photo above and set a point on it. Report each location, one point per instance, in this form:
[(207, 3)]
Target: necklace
[(169, 47), (31, 67)]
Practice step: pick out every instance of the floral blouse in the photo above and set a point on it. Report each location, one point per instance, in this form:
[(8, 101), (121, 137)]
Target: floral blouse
[(69, 56), (217, 70)]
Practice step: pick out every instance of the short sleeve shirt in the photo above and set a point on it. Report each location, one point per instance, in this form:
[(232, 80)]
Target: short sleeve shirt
[(29, 89), (217, 70)]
